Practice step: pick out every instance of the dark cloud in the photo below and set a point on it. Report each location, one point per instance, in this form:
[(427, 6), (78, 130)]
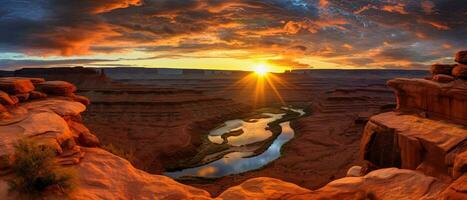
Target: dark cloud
[(361, 32), (19, 63)]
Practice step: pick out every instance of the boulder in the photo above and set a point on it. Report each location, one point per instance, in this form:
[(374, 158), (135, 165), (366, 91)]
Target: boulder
[(6, 99), (60, 88), (390, 183), (461, 57), (62, 107), (15, 85), (443, 78), (33, 80), (355, 171), (37, 95), (82, 99), (460, 71), (441, 69)]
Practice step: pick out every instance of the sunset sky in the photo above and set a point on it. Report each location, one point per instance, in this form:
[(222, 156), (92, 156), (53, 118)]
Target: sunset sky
[(231, 34)]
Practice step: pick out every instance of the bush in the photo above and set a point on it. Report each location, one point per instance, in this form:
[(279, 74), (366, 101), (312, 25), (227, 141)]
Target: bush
[(36, 171)]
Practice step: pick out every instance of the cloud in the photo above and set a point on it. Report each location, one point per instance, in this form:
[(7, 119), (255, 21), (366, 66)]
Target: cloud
[(289, 63), (335, 31)]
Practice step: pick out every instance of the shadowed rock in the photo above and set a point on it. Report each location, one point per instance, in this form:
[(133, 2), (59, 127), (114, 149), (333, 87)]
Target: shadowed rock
[(442, 78), (461, 57), (441, 69), (460, 71), (61, 88), (6, 99)]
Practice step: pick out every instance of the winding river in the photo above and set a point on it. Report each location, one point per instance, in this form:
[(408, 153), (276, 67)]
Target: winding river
[(254, 130)]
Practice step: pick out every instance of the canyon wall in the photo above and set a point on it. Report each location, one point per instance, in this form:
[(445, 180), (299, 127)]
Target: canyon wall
[(427, 132), (50, 115)]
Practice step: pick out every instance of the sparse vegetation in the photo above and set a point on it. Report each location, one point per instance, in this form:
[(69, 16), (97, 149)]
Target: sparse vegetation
[(127, 155), (36, 172)]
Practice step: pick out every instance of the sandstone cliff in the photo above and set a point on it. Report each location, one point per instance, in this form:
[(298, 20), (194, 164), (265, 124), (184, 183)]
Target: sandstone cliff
[(427, 131)]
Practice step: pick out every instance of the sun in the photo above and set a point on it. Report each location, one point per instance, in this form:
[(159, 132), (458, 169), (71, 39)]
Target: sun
[(261, 70)]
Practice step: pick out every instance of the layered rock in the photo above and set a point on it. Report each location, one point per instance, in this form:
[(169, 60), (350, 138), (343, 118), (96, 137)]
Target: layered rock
[(441, 100), (461, 57), (407, 141), (46, 121), (426, 133)]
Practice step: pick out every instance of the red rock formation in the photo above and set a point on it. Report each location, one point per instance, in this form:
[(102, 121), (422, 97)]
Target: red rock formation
[(461, 57), (14, 85), (448, 101), (442, 78), (427, 133), (441, 69), (407, 141), (460, 71)]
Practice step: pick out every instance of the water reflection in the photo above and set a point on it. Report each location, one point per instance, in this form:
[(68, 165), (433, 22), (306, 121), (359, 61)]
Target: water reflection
[(238, 162), (254, 130)]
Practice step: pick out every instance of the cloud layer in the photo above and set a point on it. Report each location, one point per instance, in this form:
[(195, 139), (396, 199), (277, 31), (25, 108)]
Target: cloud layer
[(284, 33)]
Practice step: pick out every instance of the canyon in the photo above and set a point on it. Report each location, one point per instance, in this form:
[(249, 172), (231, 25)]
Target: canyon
[(360, 138)]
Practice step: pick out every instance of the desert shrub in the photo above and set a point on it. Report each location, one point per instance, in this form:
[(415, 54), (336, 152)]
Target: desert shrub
[(127, 155), (36, 171)]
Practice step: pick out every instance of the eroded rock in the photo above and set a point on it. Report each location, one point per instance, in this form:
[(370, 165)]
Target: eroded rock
[(441, 69), (106, 176), (439, 100), (6, 99), (411, 142), (442, 78), (15, 85), (37, 95), (461, 57), (61, 88), (460, 71)]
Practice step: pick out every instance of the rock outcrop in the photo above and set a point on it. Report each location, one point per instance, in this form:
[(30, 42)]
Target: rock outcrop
[(439, 100), (427, 132), (47, 121)]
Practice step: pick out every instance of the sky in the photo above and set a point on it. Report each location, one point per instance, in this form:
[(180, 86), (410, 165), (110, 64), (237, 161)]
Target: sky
[(232, 34)]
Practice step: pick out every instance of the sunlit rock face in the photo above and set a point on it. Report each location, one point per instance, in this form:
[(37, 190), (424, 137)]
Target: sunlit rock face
[(427, 131), (47, 117), (407, 141), (439, 100)]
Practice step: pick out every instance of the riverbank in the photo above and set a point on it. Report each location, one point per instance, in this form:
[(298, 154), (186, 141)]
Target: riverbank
[(211, 150)]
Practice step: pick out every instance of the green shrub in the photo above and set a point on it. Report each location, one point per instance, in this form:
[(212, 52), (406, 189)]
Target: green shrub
[(36, 171)]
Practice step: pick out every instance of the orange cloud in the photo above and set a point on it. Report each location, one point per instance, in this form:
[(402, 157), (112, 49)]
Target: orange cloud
[(323, 3), (286, 62), (65, 41), (398, 8), (347, 46), (106, 6), (437, 25)]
